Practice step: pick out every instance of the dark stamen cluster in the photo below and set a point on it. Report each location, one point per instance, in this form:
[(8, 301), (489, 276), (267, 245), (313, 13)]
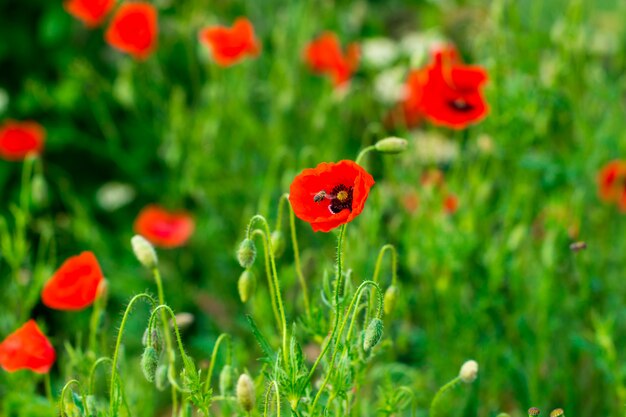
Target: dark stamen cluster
[(340, 201), (460, 105)]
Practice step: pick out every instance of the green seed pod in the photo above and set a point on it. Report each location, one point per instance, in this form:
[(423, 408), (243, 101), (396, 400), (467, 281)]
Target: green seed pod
[(144, 251), (373, 334), (391, 145), (226, 379), (245, 392), (278, 243), (246, 253), (390, 299), (149, 363), (533, 411), (246, 285), (160, 377)]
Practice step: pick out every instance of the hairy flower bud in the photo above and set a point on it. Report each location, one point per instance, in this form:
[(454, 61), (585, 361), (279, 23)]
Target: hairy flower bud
[(533, 411), (160, 378), (391, 145), (373, 334), (246, 253), (144, 251), (226, 379), (246, 285), (153, 339), (278, 243), (469, 371), (245, 392), (390, 299), (149, 363), (557, 412)]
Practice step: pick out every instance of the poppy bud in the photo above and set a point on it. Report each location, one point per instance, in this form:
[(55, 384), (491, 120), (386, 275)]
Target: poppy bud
[(160, 377), (144, 251), (391, 296), (246, 253), (149, 363), (533, 411), (278, 243), (557, 412), (391, 145), (226, 379), (39, 189), (155, 339), (246, 285), (373, 334), (245, 392), (469, 371)]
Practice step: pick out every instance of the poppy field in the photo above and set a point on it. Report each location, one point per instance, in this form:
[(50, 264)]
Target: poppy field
[(312, 208)]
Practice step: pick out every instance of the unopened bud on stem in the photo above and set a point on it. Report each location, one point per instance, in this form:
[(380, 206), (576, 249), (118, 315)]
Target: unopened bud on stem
[(246, 285), (391, 145), (226, 379), (391, 296), (373, 334), (469, 371), (149, 363), (245, 392), (246, 253), (533, 412), (278, 243), (144, 251)]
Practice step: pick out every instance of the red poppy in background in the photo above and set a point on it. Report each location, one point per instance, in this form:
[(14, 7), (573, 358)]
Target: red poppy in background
[(90, 12), (330, 194), (450, 203), (27, 348), (133, 29), (75, 284), (18, 139), (231, 45), (164, 228), (445, 92), (612, 183), (324, 56)]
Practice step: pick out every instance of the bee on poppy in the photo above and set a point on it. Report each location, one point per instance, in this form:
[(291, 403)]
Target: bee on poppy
[(27, 348), (349, 186), (230, 45), (18, 139), (133, 29)]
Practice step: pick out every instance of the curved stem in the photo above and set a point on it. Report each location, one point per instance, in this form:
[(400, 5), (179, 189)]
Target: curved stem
[(164, 309), (268, 273), (394, 270), (94, 320), (118, 342), (268, 398), (363, 153), (218, 342), (278, 297), (67, 386), (46, 381), (442, 391), (92, 373)]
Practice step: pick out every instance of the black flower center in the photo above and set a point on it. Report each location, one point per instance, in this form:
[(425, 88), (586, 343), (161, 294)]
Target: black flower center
[(461, 105), (341, 198)]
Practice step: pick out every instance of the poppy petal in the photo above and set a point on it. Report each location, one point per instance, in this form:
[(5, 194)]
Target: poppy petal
[(133, 29), (27, 348), (18, 139), (164, 228)]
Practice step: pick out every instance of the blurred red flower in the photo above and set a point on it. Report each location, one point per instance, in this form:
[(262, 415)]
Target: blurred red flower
[(164, 228), (612, 183), (75, 284), (90, 12), (450, 203), (27, 348), (18, 139), (324, 56), (330, 194), (133, 29), (446, 92), (231, 45)]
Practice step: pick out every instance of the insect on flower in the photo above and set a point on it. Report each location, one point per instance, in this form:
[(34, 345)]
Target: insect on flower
[(75, 285), (231, 45), (133, 29), (18, 139), (164, 228), (330, 194), (90, 12), (27, 348), (324, 56)]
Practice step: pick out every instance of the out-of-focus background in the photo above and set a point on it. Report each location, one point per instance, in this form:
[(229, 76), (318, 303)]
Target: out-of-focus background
[(495, 280)]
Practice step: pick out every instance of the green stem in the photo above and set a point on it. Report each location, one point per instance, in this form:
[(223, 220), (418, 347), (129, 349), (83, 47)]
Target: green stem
[(92, 373), (363, 153), (278, 297), (94, 320), (46, 381), (112, 408), (268, 398), (64, 393), (394, 270), (442, 391), (218, 342), (268, 273)]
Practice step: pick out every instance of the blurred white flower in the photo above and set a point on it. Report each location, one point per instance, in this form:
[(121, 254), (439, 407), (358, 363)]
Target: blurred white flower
[(418, 45), (433, 147), (114, 195), (378, 52), (389, 85)]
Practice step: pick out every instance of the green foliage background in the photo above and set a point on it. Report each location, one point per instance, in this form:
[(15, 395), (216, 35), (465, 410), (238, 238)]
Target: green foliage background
[(496, 281)]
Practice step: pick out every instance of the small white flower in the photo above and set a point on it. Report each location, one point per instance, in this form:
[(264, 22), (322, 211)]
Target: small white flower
[(114, 195), (432, 147), (389, 85), (378, 52), (418, 46), (469, 371)]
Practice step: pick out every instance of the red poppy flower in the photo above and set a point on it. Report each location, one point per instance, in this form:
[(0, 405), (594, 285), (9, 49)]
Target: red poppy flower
[(231, 45), (27, 348), (164, 228), (612, 183), (133, 29), (330, 194), (324, 56), (75, 284), (445, 92), (18, 139), (450, 203), (90, 12)]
